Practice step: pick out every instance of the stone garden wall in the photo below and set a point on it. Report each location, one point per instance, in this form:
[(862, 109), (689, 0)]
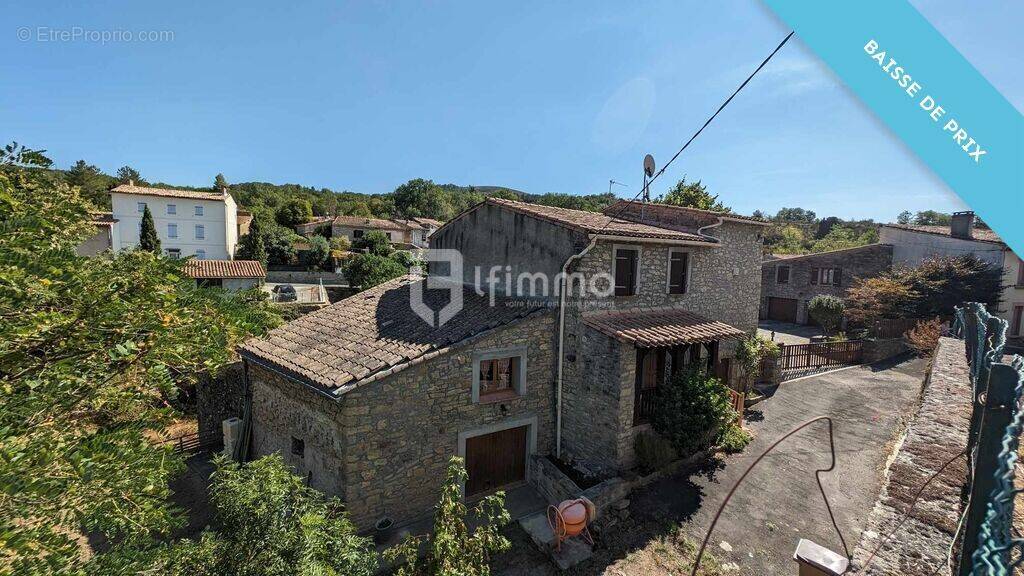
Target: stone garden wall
[(937, 432), (219, 398)]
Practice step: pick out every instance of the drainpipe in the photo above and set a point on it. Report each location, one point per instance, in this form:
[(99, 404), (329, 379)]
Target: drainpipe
[(700, 231), (561, 338)]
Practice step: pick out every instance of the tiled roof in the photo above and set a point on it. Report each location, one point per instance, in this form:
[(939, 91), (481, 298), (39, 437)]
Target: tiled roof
[(224, 269), (375, 333), (768, 258), (102, 218), (411, 224), (711, 214), (978, 234), (429, 222), (359, 221), (595, 222), (661, 326), (147, 191)]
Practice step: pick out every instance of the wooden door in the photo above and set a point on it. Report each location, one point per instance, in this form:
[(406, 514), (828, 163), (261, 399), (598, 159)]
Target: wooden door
[(782, 309), (495, 460)]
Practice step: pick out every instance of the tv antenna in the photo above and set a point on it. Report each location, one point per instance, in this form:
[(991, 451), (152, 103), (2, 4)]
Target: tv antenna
[(648, 173), (610, 182)]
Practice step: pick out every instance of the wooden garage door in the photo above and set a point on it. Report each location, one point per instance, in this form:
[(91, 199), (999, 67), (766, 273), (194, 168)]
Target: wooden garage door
[(782, 309), (495, 460)]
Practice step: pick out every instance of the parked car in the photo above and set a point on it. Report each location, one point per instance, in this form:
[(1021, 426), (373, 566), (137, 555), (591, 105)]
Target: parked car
[(285, 293)]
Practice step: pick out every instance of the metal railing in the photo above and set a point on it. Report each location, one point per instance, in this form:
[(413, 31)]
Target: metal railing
[(994, 436)]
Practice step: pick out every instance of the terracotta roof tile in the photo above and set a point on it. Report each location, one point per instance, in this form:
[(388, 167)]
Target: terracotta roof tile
[(224, 269), (595, 222), (362, 336), (147, 191), (661, 326), (359, 221), (102, 218)]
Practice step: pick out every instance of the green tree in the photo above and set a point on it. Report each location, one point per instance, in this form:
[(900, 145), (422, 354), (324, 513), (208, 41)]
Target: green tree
[(904, 217), (692, 195), (795, 215), (791, 240), (751, 352), (842, 237), (280, 242), (268, 522), (126, 174), (452, 549), (148, 239), (828, 311), (374, 242), (932, 218), (252, 246), (419, 197), (316, 255), (370, 269), (15, 154), (91, 181), (92, 354), (220, 183), (825, 225), (294, 212)]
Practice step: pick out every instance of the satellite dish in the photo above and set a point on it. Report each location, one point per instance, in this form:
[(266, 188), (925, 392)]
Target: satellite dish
[(649, 165)]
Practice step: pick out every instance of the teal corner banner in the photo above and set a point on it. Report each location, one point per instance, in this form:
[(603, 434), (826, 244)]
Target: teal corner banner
[(928, 94)]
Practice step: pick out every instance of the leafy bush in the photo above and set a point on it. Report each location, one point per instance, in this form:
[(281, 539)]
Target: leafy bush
[(317, 254), (451, 549), (734, 438), (268, 522), (924, 337), (751, 352), (369, 270), (691, 410), (827, 311), (374, 242), (652, 451), (928, 291)]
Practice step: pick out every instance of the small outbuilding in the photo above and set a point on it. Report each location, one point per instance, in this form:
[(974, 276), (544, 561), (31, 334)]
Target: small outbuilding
[(231, 275)]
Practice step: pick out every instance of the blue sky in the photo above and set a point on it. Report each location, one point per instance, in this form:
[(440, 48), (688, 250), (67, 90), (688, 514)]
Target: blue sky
[(541, 97)]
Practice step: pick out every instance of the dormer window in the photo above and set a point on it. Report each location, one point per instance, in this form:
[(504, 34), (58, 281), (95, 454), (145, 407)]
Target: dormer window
[(625, 269)]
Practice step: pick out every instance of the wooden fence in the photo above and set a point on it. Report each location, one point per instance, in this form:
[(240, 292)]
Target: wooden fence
[(892, 328), (803, 359)]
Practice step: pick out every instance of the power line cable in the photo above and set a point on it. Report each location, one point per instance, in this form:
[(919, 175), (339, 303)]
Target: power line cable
[(647, 185)]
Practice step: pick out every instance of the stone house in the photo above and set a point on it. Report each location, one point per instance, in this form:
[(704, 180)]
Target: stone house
[(368, 401), (790, 281), (404, 233)]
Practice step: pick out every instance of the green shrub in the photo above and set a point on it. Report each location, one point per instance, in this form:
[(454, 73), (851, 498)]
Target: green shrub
[(734, 439), (751, 352), (652, 451), (827, 311), (691, 411)]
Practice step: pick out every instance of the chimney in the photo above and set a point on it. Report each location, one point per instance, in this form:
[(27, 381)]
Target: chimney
[(962, 225), (131, 182)]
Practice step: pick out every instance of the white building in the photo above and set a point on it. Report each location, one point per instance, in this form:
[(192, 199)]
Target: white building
[(189, 223), (914, 244)]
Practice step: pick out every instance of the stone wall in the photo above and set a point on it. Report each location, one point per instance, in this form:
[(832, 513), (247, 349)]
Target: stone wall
[(600, 372), (936, 433), (876, 350), (282, 410), (401, 431), (551, 482), (219, 398), (861, 262)]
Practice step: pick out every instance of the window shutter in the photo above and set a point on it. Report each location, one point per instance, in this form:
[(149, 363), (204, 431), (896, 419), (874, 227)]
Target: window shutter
[(814, 275), (677, 266), (625, 272), (837, 278)]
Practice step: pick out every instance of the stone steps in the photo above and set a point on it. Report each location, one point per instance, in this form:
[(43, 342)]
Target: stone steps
[(570, 553)]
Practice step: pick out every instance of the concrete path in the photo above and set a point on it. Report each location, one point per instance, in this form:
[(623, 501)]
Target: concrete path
[(779, 502), (786, 333)]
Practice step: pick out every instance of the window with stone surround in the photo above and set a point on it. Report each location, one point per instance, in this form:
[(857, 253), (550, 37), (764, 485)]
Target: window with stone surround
[(625, 269), (782, 275), (499, 375), (827, 276), (678, 270)]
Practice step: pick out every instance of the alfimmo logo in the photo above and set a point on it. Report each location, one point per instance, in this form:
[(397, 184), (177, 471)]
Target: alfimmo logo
[(524, 288), (444, 260)]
